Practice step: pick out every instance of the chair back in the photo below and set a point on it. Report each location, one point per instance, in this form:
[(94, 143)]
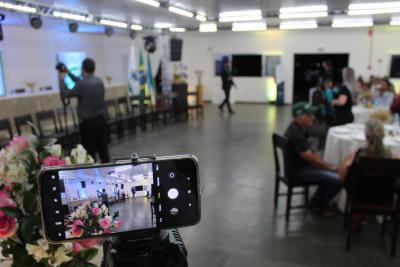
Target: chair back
[(66, 118), (373, 181), (5, 126), (21, 122), (280, 156), (111, 109), (122, 106), (46, 122)]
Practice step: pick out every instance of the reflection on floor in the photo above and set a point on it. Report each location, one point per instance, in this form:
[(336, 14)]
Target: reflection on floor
[(134, 213)]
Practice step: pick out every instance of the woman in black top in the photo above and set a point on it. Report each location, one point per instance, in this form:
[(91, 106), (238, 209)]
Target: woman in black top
[(343, 104)]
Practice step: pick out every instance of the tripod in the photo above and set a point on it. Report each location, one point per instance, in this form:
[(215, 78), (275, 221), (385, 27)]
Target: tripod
[(153, 249)]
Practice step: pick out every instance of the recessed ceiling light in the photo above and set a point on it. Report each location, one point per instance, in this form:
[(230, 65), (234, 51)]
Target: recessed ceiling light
[(303, 9), (70, 16), (208, 27), (136, 27), (163, 25), (201, 18), (174, 29), (21, 8), (249, 26), (374, 8), (299, 24), (245, 15), (351, 22)]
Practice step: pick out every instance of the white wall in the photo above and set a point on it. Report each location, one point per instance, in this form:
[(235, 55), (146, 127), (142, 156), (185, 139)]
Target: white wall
[(199, 51)]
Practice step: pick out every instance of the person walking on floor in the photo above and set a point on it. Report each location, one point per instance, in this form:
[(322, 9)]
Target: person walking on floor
[(91, 108), (227, 82)]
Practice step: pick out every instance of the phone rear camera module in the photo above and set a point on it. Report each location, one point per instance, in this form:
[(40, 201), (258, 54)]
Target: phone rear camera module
[(171, 175)]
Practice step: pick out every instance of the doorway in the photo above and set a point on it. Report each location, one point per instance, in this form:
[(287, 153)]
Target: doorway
[(308, 69)]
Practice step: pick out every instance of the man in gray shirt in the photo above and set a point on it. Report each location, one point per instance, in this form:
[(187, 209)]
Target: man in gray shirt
[(91, 107)]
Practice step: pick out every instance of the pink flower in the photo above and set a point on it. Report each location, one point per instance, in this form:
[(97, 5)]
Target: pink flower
[(76, 231), (5, 201), (77, 223), (18, 144), (96, 211), (105, 223), (8, 226), (117, 223), (52, 161), (81, 245)]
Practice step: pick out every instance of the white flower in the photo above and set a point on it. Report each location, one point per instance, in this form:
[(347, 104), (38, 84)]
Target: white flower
[(68, 161), (79, 155), (56, 150), (68, 247), (59, 257), (15, 172), (39, 251)]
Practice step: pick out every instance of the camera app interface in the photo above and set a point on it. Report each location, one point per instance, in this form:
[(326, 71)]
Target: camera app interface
[(98, 201)]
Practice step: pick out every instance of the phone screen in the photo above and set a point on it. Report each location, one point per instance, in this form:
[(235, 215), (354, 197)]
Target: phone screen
[(103, 200)]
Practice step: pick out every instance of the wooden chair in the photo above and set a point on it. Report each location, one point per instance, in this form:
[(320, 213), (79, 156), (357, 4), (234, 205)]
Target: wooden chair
[(114, 123), (126, 114), (5, 126), (21, 122), (48, 126), (284, 175), (372, 188)]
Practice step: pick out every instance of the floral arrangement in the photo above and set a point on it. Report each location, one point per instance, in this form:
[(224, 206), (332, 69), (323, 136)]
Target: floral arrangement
[(91, 219), (382, 115), (21, 235)]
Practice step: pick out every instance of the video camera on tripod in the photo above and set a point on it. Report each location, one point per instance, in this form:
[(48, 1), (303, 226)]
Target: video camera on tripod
[(136, 201)]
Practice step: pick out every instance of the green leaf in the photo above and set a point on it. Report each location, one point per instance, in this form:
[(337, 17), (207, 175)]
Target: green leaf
[(34, 141), (30, 202), (88, 254), (26, 228), (12, 211), (48, 142)]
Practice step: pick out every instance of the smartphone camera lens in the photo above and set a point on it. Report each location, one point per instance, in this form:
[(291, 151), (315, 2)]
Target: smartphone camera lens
[(171, 175), (173, 193)]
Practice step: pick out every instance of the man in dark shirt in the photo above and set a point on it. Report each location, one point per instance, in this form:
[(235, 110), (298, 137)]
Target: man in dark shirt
[(91, 107), (227, 82), (304, 163)]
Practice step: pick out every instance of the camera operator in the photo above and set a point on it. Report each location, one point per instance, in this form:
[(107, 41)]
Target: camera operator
[(91, 107)]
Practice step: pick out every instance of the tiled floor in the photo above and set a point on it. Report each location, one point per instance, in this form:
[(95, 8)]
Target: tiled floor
[(239, 226)]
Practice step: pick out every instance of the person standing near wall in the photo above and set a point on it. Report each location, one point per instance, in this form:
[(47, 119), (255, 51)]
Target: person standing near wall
[(90, 92), (227, 82)]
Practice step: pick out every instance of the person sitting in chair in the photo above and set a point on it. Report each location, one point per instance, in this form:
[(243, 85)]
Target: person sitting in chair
[(305, 164)]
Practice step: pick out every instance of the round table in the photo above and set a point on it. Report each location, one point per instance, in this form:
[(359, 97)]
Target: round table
[(342, 140), (361, 113)]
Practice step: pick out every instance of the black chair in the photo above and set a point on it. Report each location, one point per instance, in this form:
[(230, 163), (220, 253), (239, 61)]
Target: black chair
[(21, 122), (372, 188), (126, 114), (48, 126), (5, 126), (284, 175), (114, 123), (68, 125), (142, 106)]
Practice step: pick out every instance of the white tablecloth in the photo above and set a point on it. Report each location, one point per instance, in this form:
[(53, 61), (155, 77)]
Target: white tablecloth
[(342, 140), (361, 114)]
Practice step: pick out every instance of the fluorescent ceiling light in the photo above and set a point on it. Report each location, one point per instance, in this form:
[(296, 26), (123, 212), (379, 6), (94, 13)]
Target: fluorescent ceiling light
[(136, 27), (245, 15), (174, 29), (20, 8), (113, 23), (201, 18), (347, 23), (208, 27), (303, 9), (149, 2), (299, 24), (303, 15), (373, 11), (163, 25), (180, 11), (249, 26), (374, 8), (71, 16), (395, 21)]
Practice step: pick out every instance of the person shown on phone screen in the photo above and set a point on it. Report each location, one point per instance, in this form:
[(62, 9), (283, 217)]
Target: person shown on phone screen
[(91, 108), (227, 82)]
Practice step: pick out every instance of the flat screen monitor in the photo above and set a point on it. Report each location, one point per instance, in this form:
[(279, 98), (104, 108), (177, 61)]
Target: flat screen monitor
[(73, 61), (2, 83), (247, 65)]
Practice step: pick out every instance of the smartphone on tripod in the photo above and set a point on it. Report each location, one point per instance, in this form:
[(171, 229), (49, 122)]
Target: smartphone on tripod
[(121, 198)]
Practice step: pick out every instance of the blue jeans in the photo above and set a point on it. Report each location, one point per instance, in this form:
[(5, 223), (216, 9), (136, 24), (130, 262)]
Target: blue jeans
[(331, 182)]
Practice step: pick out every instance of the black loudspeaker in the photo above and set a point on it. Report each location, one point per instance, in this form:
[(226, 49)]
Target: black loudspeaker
[(109, 31), (176, 49), (83, 184), (36, 22), (132, 34), (73, 27), (122, 186), (149, 44)]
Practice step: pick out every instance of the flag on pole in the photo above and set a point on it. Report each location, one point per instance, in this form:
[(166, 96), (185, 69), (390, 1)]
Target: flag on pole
[(150, 81), (133, 69), (142, 77)]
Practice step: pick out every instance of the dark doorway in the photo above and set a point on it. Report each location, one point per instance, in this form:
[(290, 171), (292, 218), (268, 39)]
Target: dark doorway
[(308, 70)]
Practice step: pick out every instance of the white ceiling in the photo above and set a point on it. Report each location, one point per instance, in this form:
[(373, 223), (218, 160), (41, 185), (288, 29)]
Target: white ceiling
[(134, 12)]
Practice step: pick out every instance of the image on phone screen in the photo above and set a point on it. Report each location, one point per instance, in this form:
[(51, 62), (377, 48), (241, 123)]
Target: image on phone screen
[(97, 201)]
